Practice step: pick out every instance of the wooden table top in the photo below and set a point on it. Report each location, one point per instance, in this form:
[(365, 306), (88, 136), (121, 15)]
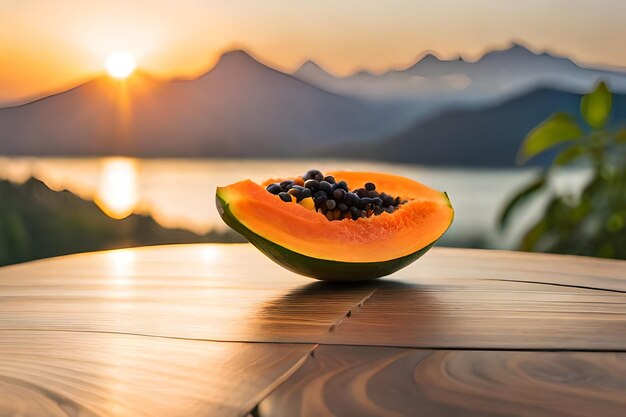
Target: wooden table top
[(219, 330)]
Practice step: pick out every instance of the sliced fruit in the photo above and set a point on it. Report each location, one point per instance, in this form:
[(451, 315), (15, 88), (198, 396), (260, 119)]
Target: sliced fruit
[(306, 242)]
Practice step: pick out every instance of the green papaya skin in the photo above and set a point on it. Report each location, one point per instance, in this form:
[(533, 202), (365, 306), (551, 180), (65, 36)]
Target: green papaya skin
[(321, 269)]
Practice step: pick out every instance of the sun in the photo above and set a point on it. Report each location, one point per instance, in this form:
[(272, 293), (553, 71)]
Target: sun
[(120, 64)]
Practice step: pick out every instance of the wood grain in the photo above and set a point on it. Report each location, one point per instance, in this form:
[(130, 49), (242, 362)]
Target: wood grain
[(209, 292), (565, 270), (451, 298), (167, 331), (346, 381), (86, 374), (482, 314)]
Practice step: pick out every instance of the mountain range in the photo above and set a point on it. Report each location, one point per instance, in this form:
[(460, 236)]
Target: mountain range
[(433, 112), (497, 73), (239, 108), (487, 136)]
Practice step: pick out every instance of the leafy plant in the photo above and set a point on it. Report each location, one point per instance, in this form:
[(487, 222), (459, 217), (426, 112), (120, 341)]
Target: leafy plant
[(592, 223)]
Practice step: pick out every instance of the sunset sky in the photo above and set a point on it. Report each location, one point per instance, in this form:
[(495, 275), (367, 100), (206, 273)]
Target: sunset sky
[(49, 45)]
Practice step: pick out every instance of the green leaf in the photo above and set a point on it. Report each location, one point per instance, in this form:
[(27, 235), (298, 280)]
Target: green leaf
[(596, 106), (534, 235), (522, 196), (558, 128), (568, 155)]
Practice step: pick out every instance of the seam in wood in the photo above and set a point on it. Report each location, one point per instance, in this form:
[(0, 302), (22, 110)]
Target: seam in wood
[(349, 313), (278, 342), (583, 287), (263, 394)]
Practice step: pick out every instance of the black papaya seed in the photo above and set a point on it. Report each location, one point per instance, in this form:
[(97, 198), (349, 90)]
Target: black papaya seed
[(351, 199), (314, 174), (285, 197), (274, 188), (364, 202), (320, 202), (387, 200), (326, 187), (320, 194), (312, 185), (306, 193), (310, 174), (339, 194), (285, 185)]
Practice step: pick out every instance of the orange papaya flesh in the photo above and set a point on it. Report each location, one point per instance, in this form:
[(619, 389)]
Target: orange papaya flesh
[(306, 242)]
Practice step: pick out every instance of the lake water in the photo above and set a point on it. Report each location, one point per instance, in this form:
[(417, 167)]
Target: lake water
[(181, 192)]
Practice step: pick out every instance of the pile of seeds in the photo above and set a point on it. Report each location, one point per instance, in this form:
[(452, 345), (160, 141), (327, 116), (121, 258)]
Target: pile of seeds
[(334, 199)]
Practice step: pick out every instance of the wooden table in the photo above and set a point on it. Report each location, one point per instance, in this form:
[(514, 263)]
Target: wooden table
[(219, 330)]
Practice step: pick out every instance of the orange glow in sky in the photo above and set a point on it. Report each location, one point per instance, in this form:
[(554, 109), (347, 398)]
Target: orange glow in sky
[(47, 46)]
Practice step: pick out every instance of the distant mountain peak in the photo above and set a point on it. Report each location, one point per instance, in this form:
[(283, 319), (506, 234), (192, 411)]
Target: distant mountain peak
[(236, 57), (235, 60), (429, 57), (429, 61), (237, 53), (519, 45), (310, 66), (517, 51), (310, 63), (515, 48)]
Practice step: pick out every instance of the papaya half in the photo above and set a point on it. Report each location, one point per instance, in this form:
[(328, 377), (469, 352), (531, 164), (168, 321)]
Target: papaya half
[(360, 245)]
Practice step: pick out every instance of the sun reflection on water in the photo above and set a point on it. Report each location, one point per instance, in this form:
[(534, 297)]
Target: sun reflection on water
[(117, 192)]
